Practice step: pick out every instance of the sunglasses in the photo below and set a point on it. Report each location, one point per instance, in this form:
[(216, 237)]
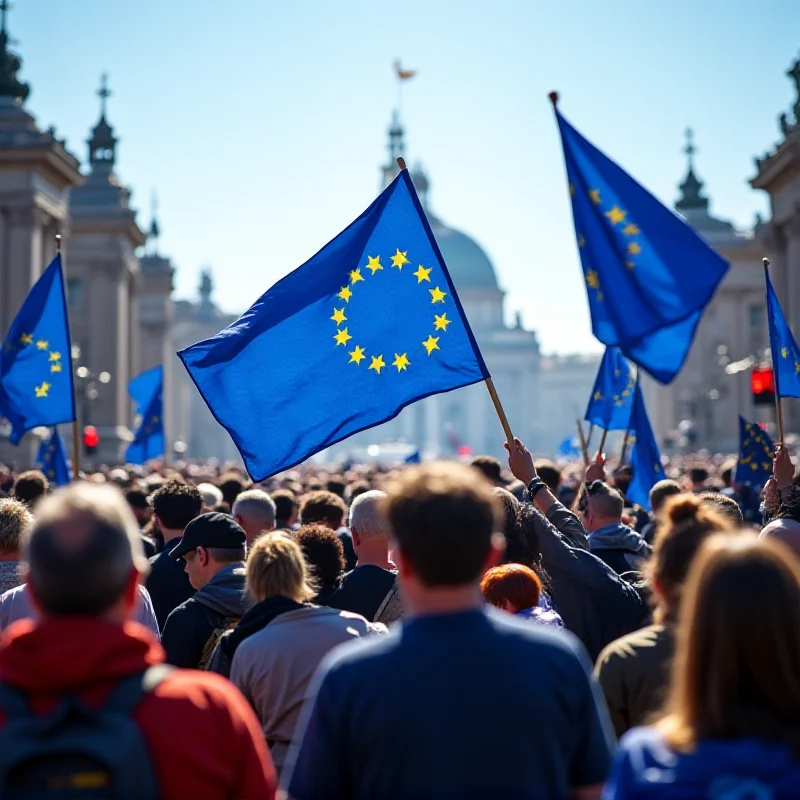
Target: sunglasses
[(595, 487)]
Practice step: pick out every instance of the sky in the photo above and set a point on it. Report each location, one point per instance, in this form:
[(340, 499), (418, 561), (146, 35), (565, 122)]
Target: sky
[(261, 125)]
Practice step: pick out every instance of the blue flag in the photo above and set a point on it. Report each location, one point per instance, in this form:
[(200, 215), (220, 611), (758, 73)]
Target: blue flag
[(367, 326), (612, 395), (756, 454), (648, 275), (569, 447), (645, 457), (785, 352), (52, 460), (147, 391), (413, 457), (35, 365)]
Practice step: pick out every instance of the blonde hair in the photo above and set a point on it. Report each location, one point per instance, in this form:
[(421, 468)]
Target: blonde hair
[(276, 566)]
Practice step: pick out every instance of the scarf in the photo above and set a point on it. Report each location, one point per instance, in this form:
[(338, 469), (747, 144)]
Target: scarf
[(256, 618)]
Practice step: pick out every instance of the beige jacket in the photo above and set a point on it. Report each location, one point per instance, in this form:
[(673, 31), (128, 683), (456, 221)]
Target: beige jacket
[(273, 668)]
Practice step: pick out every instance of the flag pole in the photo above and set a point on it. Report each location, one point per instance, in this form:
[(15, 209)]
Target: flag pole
[(602, 444), (584, 445), (76, 442), (778, 406), (498, 407), (589, 436), (625, 441)]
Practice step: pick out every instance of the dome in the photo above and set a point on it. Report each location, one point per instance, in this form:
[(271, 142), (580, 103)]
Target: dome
[(469, 266)]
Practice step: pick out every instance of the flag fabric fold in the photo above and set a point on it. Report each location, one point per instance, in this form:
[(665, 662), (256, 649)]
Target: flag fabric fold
[(52, 459), (611, 400), (147, 392), (648, 275), (756, 455), (645, 456), (785, 352), (367, 326)]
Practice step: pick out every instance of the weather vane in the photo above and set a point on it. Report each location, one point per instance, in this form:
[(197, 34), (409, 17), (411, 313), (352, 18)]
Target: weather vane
[(403, 75)]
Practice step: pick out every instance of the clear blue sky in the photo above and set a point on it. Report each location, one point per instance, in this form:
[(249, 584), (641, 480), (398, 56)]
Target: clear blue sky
[(262, 124)]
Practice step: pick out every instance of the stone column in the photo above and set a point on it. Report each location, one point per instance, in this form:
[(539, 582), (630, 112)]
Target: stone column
[(22, 262)]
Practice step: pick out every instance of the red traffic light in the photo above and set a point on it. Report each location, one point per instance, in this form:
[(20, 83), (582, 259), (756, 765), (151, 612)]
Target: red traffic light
[(90, 437), (762, 380)]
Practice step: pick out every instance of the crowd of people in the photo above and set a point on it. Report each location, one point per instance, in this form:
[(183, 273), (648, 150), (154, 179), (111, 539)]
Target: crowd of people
[(443, 630)]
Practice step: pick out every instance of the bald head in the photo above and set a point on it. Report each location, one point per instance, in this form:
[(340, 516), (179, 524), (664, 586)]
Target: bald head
[(786, 531), (83, 551)]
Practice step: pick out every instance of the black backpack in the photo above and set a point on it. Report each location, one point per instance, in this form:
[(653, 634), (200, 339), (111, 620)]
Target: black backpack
[(76, 751)]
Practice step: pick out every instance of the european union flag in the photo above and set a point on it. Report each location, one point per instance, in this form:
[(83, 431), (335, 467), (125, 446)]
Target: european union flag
[(35, 366), (785, 352), (147, 391), (52, 459), (612, 395), (645, 457), (369, 325), (756, 454), (648, 275), (569, 447), (413, 457)]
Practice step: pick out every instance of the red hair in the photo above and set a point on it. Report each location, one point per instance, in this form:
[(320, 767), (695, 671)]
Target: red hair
[(518, 584)]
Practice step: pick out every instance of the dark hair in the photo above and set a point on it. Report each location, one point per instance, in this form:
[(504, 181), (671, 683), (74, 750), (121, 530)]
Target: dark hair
[(606, 501), (489, 467), (661, 491), (231, 484), (322, 506), (698, 474), (30, 486), (725, 505), (324, 553), (443, 517), (176, 504), (356, 489), (285, 506), (137, 498), (336, 486), (549, 473)]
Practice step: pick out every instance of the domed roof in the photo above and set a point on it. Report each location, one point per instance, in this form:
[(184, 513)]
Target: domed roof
[(468, 264)]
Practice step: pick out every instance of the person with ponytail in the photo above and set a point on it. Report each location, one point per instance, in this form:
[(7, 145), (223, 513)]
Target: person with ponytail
[(634, 670)]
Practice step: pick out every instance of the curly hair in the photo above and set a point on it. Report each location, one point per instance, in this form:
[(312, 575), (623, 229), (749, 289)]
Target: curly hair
[(324, 553)]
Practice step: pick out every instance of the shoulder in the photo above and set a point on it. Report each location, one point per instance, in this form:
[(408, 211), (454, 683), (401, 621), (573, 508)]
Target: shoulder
[(627, 646), (188, 610), (516, 632)]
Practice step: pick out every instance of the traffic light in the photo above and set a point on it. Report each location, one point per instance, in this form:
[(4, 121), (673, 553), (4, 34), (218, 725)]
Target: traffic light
[(90, 439), (762, 385)]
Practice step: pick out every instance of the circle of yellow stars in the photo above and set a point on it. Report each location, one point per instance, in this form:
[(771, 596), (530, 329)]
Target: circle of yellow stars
[(42, 390), (401, 361)]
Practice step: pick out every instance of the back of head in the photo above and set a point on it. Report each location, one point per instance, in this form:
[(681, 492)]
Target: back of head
[(661, 491), (724, 505), (30, 487), (603, 503), (323, 507), (323, 551), (212, 496), (366, 514), (784, 530), (737, 669), (82, 551), (231, 484), (176, 504), (255, 507), (549, 473), (276, 566), (490, 468), (336, 486), (443, 517), (698, 475), (515, 583), (286, 506), (15, 525)]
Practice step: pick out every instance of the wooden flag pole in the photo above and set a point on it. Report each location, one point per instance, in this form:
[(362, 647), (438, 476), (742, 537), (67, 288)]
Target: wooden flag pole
[(589, 436), (778, 406), (584, 445), (602, 444), (76, 439)]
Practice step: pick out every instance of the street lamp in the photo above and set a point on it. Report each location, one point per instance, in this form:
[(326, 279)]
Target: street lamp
[(86, 383)]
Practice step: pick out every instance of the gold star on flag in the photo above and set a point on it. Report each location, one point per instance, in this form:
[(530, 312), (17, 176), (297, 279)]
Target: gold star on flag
[(26, 338), (598, 396), (41, 391), (374, 263), (342, 337), (357, 356), (55, 368), (616, 215), (797, 368), (338, 316), (634, 249), (440, 322), (785, 352), (398, 259), (345, 294), (377, 364), (55, 356), (437, 295), (422, 274), (401, 362), (581, 240), (42, 344), (631, 230), (592, 281), (431, 344), (356, 276), (595, 196), (630, 264)]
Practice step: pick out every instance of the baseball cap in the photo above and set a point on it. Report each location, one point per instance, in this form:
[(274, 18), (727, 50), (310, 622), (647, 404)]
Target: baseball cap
[(210, 530)]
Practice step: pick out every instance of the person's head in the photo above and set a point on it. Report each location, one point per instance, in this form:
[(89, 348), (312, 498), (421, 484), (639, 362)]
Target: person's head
[(139, 503), (737, 666), (210, 543), (324, 553), (518, 547), (600, 505), (15, 524), (512, 587), (444, 518), (212, 496), (784, 530), (356, 489), (661, 492), (726, 472), (684, 523), (368, 524), (323, 508), (119, 477), (336, 486), (254, 510), (549, 473), (286, 508), (276, 566), (84, 554), (698, 476), (30, 487), (724, 505), (231, 484), (490, 468), (175, 505)]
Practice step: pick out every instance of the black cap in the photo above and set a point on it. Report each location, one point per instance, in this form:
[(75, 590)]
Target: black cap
[(210, 530)]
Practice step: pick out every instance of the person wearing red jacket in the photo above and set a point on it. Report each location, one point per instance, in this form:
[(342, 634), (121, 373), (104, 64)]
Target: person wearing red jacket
[(85, 560)]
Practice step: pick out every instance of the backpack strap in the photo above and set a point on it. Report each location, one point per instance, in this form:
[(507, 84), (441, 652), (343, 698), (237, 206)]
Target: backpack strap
[(129, 692)]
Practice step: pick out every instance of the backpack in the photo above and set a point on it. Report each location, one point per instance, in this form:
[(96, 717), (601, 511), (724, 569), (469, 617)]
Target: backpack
[(77, 751), (211, 642), (392, 608)]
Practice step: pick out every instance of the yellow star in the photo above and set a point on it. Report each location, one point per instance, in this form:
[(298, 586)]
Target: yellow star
[(338, 316), (26, 338), (634, 249), (598, 396), (592, 280), (357, 356), (440, 322), (785, 352), (571, 190), (401, 362), (581, 240), (345, 294), (437, 295), (595, 195), (374, 263), (42, 344), (398, 259), (377, 364), (422, 274), (631, 230), (55, 356), (342, 337), (41, 391), (55, 368), (630, 264), (356, 276), (431, 344), (616, 215), (797, 368)]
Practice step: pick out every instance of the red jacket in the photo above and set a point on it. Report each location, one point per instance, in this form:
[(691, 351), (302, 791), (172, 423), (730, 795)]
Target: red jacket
[(204, 739)]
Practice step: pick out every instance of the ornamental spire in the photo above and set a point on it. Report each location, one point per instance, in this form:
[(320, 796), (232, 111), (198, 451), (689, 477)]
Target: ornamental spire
[(691, 189)]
